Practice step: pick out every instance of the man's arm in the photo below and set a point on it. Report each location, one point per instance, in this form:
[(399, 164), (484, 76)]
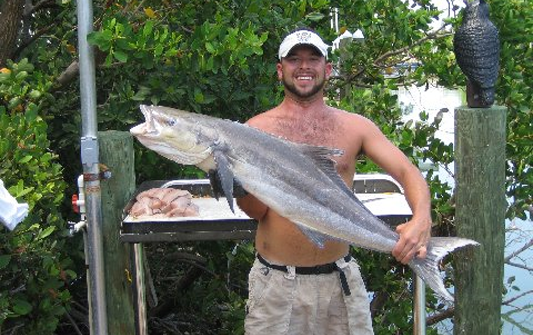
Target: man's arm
[(249, 203), (414, 234)]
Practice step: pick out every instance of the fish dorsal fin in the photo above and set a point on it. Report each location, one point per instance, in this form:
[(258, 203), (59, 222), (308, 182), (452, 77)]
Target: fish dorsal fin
[(322, 157)]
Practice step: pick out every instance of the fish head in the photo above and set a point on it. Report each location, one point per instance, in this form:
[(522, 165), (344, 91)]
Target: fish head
[(174, 134)]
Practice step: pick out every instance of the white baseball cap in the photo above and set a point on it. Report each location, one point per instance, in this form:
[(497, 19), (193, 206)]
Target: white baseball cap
[(302, 37)]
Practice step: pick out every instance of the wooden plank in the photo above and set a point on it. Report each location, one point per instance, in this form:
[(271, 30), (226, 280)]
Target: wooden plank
[(480, 137), (116, 152)]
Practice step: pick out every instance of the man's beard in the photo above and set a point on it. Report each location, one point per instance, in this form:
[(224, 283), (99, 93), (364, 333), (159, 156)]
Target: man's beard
[(291, 87)]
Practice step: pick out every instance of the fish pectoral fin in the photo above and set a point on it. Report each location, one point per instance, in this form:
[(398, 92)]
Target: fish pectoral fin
[(314, 236), (225, 175), (216, 186)]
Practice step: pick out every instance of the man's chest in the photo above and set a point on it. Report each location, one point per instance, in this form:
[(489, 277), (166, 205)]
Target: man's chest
[(321, 132), (314, 131)]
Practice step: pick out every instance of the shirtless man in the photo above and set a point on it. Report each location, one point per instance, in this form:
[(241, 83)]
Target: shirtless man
[(294, 285)]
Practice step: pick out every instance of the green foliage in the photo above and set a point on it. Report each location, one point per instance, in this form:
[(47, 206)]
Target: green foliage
[(34, 265), (515, 23), (218, 58), (214, 304)]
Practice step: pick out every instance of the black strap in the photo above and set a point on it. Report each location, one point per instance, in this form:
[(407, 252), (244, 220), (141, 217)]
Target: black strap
[(344, 281), (272, 266), (314, 270)]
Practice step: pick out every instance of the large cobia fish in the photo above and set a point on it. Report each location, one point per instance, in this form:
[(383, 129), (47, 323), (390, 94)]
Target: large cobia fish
[(298, 181)]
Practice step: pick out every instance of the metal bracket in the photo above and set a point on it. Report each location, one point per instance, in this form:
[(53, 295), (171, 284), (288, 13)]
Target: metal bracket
[(104, 173), (89, 150)]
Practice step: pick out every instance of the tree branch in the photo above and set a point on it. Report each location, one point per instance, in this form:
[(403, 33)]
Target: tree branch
[(68, 75), (43, 4), (73, 324), (25, 43), (518, 265), (383, 57), (446, 314), (433, 35), (509, 301), (518, 251), (72, 71)]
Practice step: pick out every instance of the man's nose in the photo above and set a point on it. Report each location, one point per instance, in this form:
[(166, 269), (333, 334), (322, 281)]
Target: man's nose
[(304, 64)]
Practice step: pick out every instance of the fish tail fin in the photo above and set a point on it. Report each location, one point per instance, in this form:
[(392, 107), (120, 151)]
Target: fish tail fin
[(427, 268)]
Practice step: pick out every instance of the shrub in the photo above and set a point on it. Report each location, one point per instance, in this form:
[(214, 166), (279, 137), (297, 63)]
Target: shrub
[(34, 263)]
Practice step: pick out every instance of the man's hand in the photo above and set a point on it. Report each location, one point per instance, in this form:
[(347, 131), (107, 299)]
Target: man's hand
[(414, 238)]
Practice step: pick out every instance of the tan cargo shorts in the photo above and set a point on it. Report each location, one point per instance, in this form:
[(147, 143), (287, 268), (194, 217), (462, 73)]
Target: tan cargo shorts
[(284, 302)]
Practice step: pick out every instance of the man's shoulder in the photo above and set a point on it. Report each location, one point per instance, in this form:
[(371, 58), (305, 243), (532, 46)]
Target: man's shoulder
[(350, 118), (262, 118)]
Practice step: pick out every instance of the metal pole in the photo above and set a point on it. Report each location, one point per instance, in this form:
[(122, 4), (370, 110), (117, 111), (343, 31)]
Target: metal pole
[(419, 309), (139, 289), (91, 173)]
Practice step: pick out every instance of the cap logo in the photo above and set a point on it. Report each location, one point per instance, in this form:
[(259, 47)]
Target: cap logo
[(303, 36)]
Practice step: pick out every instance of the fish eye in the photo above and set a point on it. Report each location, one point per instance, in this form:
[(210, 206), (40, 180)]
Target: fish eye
[(171, 122)]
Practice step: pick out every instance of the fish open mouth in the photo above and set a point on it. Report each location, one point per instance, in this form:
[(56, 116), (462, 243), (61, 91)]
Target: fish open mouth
[(149, 120), (148, 127)]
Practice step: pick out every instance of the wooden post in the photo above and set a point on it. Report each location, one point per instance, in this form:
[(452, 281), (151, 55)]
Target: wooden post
[(116, 152), (480, 137)]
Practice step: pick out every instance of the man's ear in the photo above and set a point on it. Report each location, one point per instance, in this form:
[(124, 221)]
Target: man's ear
[(329, 69), (279, 71)]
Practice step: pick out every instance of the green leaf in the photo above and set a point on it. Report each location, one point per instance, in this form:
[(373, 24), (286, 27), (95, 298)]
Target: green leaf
[(21, 307), (46, 232), (4, 260), (158, 50), (316, 16), (198, 96), (25, 159), (142, 93), (209, 47), (101, 39), (147, 29), (121, 56), (21, 75), (34, 94)]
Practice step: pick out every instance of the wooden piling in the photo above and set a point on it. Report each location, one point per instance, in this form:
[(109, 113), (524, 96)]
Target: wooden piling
[(116, 152), (480, 137)]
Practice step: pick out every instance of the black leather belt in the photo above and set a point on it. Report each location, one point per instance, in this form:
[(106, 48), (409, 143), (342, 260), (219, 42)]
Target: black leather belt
[(314, 270)]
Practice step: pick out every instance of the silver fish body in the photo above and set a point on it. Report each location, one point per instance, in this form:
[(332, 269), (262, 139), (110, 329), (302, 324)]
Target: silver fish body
[(298, 181)]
